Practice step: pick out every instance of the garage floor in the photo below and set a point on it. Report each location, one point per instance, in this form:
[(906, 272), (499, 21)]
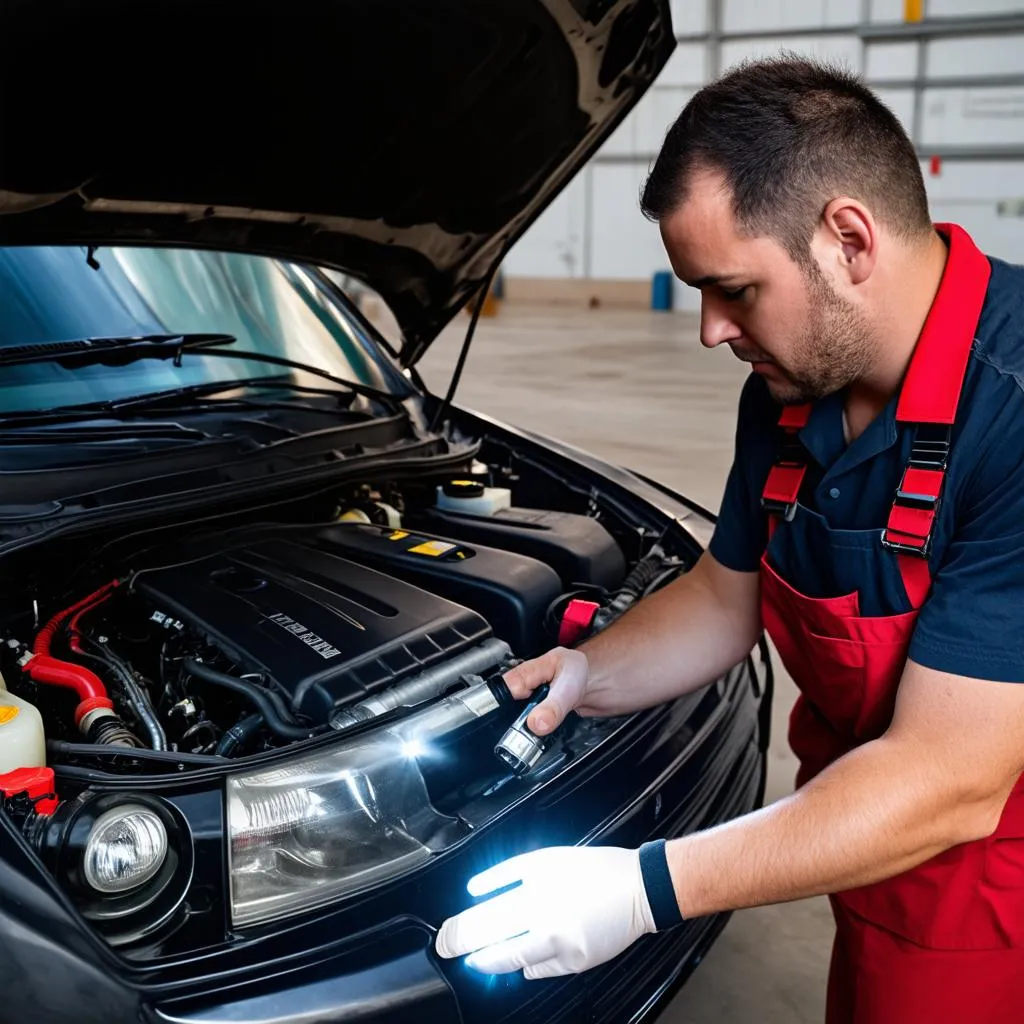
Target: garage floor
[(638, 389)]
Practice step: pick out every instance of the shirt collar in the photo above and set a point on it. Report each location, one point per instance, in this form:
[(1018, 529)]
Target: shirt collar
[(823, 435)]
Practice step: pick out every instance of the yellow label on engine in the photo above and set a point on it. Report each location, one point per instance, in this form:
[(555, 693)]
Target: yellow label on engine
[(434, 548), (398, 535), (7, 713)]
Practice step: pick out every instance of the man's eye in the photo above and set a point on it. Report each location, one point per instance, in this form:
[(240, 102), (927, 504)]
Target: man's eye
[(734, 294)]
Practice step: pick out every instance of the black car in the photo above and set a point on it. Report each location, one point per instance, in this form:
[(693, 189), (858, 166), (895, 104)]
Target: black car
[(259, 584)]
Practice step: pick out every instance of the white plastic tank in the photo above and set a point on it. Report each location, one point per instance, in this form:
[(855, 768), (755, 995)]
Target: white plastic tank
[(473, 497), (22, 739)]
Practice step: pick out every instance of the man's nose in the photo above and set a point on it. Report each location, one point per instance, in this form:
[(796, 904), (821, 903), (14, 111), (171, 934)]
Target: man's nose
[(715, 325)]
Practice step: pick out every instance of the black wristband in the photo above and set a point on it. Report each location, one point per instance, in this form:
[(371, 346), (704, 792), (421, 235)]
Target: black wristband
[(658, 883)]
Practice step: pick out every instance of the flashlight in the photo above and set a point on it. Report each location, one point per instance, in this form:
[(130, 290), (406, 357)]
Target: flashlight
[(520, 748)]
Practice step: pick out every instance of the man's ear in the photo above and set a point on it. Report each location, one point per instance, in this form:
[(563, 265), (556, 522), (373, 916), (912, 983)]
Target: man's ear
[(847, 238)]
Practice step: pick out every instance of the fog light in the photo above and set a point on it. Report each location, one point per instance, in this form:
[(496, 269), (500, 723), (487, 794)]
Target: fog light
[(126, 848)]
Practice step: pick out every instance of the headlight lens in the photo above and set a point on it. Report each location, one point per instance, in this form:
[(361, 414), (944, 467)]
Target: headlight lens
[(125, 849), (302, 834)]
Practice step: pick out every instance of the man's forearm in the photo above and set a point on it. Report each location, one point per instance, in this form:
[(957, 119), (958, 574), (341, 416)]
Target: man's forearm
[(873, 814), (674, 641)]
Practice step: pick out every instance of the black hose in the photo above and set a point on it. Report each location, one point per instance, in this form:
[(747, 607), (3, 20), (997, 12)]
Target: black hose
[(109, 729), (263, 700), (239, 734), (645, 572), (659, 581), (136, 696)]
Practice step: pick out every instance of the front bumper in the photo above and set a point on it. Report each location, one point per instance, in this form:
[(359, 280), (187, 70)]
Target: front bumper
[(699, 762), (667, 772)]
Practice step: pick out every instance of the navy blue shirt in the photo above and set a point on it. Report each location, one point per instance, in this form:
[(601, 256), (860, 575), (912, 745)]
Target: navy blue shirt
[(972, 623)]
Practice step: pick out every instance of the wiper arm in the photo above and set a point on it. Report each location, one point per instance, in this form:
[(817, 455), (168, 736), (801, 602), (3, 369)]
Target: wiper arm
[(116, 351), (119, 351), (170, 400), (171, 396), (368, 391)]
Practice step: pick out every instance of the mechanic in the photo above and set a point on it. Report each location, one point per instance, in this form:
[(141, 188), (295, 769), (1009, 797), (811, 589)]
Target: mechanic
[(873, 523)]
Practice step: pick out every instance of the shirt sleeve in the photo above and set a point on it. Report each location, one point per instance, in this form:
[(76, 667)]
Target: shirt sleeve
[(741, 532), (973, 621)]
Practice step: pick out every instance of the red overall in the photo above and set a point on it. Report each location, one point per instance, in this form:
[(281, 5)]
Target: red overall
[(943, 942)]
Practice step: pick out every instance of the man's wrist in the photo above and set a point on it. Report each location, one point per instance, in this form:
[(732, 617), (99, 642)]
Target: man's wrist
[(657, 880)]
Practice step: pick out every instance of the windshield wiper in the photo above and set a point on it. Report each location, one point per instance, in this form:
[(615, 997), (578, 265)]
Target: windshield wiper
[(116, 351), (119, 351), (171, 396), (178, 400)]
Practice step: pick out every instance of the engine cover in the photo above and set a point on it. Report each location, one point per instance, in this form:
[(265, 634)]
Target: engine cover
[(330, 631)]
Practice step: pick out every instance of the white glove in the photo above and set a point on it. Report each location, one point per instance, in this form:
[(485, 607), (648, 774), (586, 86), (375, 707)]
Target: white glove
[(576, 908)]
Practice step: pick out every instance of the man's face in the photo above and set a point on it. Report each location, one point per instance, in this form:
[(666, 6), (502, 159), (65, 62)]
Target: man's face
[(785, 320)]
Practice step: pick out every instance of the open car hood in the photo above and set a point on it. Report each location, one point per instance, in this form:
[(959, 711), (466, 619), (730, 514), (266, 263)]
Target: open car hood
[(406, 143)]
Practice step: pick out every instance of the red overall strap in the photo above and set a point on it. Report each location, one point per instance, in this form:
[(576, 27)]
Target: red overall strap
[(786, 476), (929, 399)]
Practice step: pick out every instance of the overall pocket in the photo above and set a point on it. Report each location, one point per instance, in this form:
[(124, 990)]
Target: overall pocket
[(857, 679)]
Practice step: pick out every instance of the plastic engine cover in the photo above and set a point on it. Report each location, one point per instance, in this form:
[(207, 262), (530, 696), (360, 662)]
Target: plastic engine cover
[(510, 590), (328, 630), (577, 547)]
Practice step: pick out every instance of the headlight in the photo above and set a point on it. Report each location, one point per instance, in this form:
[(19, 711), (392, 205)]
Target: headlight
[(303, 834), (125, 849), (126, 858), (330, 823)]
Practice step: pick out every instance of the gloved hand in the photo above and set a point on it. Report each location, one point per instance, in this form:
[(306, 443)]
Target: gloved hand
[(568, 673), (575, 908)]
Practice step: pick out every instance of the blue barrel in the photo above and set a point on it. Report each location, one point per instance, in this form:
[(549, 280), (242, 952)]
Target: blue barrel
[(661, 290)]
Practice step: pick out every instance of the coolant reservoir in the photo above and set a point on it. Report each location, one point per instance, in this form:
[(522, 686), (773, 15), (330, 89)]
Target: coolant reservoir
[(473, 497), (22, 740)]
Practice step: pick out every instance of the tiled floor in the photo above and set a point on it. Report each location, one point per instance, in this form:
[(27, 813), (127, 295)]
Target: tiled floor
[(638, 389)]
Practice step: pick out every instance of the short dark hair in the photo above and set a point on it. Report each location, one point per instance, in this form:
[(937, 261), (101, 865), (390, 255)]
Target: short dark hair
[(789, 135)]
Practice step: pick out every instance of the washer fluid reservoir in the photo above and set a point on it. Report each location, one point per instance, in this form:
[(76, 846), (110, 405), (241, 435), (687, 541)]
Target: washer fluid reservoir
[(22, 739), (473, 497)]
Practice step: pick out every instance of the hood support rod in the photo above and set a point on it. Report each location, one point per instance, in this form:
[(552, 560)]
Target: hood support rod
[(446, 402)]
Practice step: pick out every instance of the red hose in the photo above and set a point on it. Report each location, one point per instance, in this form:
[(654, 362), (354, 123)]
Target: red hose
[(43, 668), (93, 601)]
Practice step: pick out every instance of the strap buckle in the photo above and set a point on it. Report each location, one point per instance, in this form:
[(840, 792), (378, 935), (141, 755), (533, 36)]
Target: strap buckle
[(786, 510), (926, 502), (924, 551), (791, 452), (930, 447), (929, 451), (782, 488)]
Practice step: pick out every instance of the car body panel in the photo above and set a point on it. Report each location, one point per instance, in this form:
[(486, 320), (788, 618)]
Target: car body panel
[(672, 770)]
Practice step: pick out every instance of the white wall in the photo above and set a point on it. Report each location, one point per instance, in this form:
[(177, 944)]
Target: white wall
[(596, 229), (553, 246), (987, 198)]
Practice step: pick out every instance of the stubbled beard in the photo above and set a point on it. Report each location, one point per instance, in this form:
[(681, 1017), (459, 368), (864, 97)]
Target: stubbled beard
[(833, 350)]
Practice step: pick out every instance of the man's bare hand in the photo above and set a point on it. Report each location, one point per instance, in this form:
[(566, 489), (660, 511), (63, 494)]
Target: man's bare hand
[(568, 673)]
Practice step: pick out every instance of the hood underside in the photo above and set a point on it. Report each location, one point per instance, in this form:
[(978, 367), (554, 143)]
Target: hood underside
[(405, 143)]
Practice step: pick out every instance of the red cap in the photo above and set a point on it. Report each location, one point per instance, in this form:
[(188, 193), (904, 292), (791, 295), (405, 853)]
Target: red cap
[(576, 621), (35, 782)]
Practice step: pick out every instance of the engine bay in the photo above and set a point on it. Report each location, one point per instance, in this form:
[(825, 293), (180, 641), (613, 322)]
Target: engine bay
[(331, 677), (232, 642)]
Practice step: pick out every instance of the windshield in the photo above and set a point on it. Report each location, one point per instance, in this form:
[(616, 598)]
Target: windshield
[(272, 307)]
